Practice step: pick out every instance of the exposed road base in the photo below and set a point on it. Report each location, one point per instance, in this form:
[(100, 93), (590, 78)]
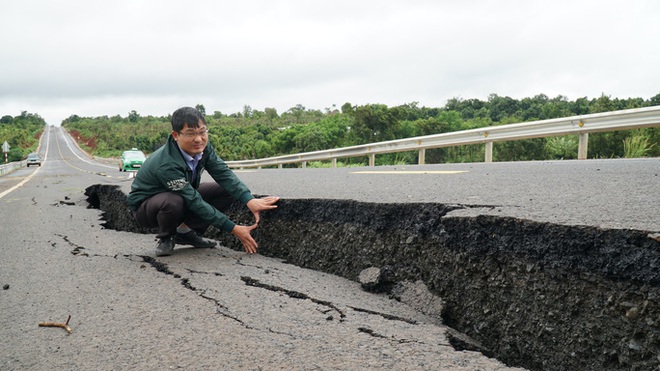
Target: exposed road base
[(535, 295)]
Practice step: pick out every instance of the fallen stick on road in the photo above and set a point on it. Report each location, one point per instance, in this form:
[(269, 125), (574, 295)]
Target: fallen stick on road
[(57, 324)]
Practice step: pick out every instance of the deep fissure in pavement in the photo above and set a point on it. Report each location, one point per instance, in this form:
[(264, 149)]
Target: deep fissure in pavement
[(536, 295), (292, 294)]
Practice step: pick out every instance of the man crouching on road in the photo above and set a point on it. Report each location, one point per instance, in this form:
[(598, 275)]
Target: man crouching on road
[(167, 194)]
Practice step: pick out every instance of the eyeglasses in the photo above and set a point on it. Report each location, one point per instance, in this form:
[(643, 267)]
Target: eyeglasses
[(195, 134)]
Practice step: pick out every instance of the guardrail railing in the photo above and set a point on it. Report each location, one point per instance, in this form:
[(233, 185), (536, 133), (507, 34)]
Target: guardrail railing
[(581, 125), (8, 168)]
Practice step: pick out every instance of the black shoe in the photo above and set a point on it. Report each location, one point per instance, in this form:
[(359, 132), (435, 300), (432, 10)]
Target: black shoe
[(191, 238), (165, 247)]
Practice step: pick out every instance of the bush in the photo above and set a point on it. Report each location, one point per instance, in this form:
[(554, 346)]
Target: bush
[(559, 148), (637, 145)]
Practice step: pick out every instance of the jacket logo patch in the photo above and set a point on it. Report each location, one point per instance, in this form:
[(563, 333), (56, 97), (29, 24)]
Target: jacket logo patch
[(177, 184)]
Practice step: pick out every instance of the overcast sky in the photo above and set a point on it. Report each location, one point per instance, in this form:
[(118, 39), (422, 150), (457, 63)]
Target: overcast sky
[(95, 58)]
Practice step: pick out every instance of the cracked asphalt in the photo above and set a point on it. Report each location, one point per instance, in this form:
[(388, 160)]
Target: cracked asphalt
[(197, 309)]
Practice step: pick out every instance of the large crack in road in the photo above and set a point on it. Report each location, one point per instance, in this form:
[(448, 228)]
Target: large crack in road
[(536, 295), (327, 310)]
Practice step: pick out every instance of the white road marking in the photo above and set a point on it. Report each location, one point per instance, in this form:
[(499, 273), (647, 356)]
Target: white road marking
[(406, 172)]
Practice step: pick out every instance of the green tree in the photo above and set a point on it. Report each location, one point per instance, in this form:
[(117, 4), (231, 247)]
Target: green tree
[(271, 114), (247, 111), (603, 104), (262, 149), (133, 116), (655, 100), (580, 106), (469, 109), (6, 120), (501, 107), (15, 154), (374, 123), (347, 108)]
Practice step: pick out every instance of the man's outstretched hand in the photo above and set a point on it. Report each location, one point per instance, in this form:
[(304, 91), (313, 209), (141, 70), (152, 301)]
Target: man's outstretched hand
[(243, 233), (257, 205)]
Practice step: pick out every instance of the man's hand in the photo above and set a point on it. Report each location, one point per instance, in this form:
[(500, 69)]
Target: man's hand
[(243, 234), (257, 205)]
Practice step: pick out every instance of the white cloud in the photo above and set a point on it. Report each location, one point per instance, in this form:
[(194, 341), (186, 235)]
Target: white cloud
[(95, 58)]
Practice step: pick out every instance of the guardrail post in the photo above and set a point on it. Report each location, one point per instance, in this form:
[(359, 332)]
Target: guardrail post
[(304, 164), (372, 159), (421, 157), (489, 152), (334, 162), (582, 145)]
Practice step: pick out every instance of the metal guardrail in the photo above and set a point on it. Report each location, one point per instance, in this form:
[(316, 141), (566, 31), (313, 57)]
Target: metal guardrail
[(8, 168), (581, 125)]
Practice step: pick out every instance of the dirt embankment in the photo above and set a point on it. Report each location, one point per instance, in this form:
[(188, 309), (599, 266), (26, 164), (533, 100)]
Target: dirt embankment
[(89, 143), (537, 295)]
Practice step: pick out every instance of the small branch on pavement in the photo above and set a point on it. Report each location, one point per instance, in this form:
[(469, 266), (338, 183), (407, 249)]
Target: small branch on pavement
[(57, 324)]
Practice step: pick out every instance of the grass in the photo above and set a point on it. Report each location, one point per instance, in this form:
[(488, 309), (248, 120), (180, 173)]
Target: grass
[(636, 145)]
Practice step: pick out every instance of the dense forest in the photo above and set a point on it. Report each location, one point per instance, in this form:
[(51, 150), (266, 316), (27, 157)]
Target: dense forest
[(251, 133), (21, 133)]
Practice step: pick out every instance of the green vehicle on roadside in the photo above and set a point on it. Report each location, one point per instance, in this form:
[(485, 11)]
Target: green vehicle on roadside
[(131, 160)]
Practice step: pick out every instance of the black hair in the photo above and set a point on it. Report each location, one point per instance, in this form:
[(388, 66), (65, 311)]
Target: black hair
[(186, 115)]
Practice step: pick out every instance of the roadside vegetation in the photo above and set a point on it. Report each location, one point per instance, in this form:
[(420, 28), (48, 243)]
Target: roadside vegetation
[(252, 134), (22, 133)]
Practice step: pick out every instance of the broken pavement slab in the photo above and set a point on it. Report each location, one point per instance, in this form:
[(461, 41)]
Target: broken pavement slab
[(197, 309), (529, 293)]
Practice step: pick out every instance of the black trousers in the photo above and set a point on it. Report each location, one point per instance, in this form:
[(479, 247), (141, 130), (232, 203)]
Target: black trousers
[(167, 210)]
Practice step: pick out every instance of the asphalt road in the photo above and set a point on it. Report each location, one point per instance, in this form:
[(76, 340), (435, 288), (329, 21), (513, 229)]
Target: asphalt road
[(198, 309), (612, 193), (222, 309)]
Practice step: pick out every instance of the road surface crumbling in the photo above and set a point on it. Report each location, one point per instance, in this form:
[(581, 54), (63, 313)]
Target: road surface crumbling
[(535, 295)]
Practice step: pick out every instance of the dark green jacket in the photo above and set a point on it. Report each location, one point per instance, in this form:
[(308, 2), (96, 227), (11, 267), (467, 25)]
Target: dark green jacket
[(167, 171)]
